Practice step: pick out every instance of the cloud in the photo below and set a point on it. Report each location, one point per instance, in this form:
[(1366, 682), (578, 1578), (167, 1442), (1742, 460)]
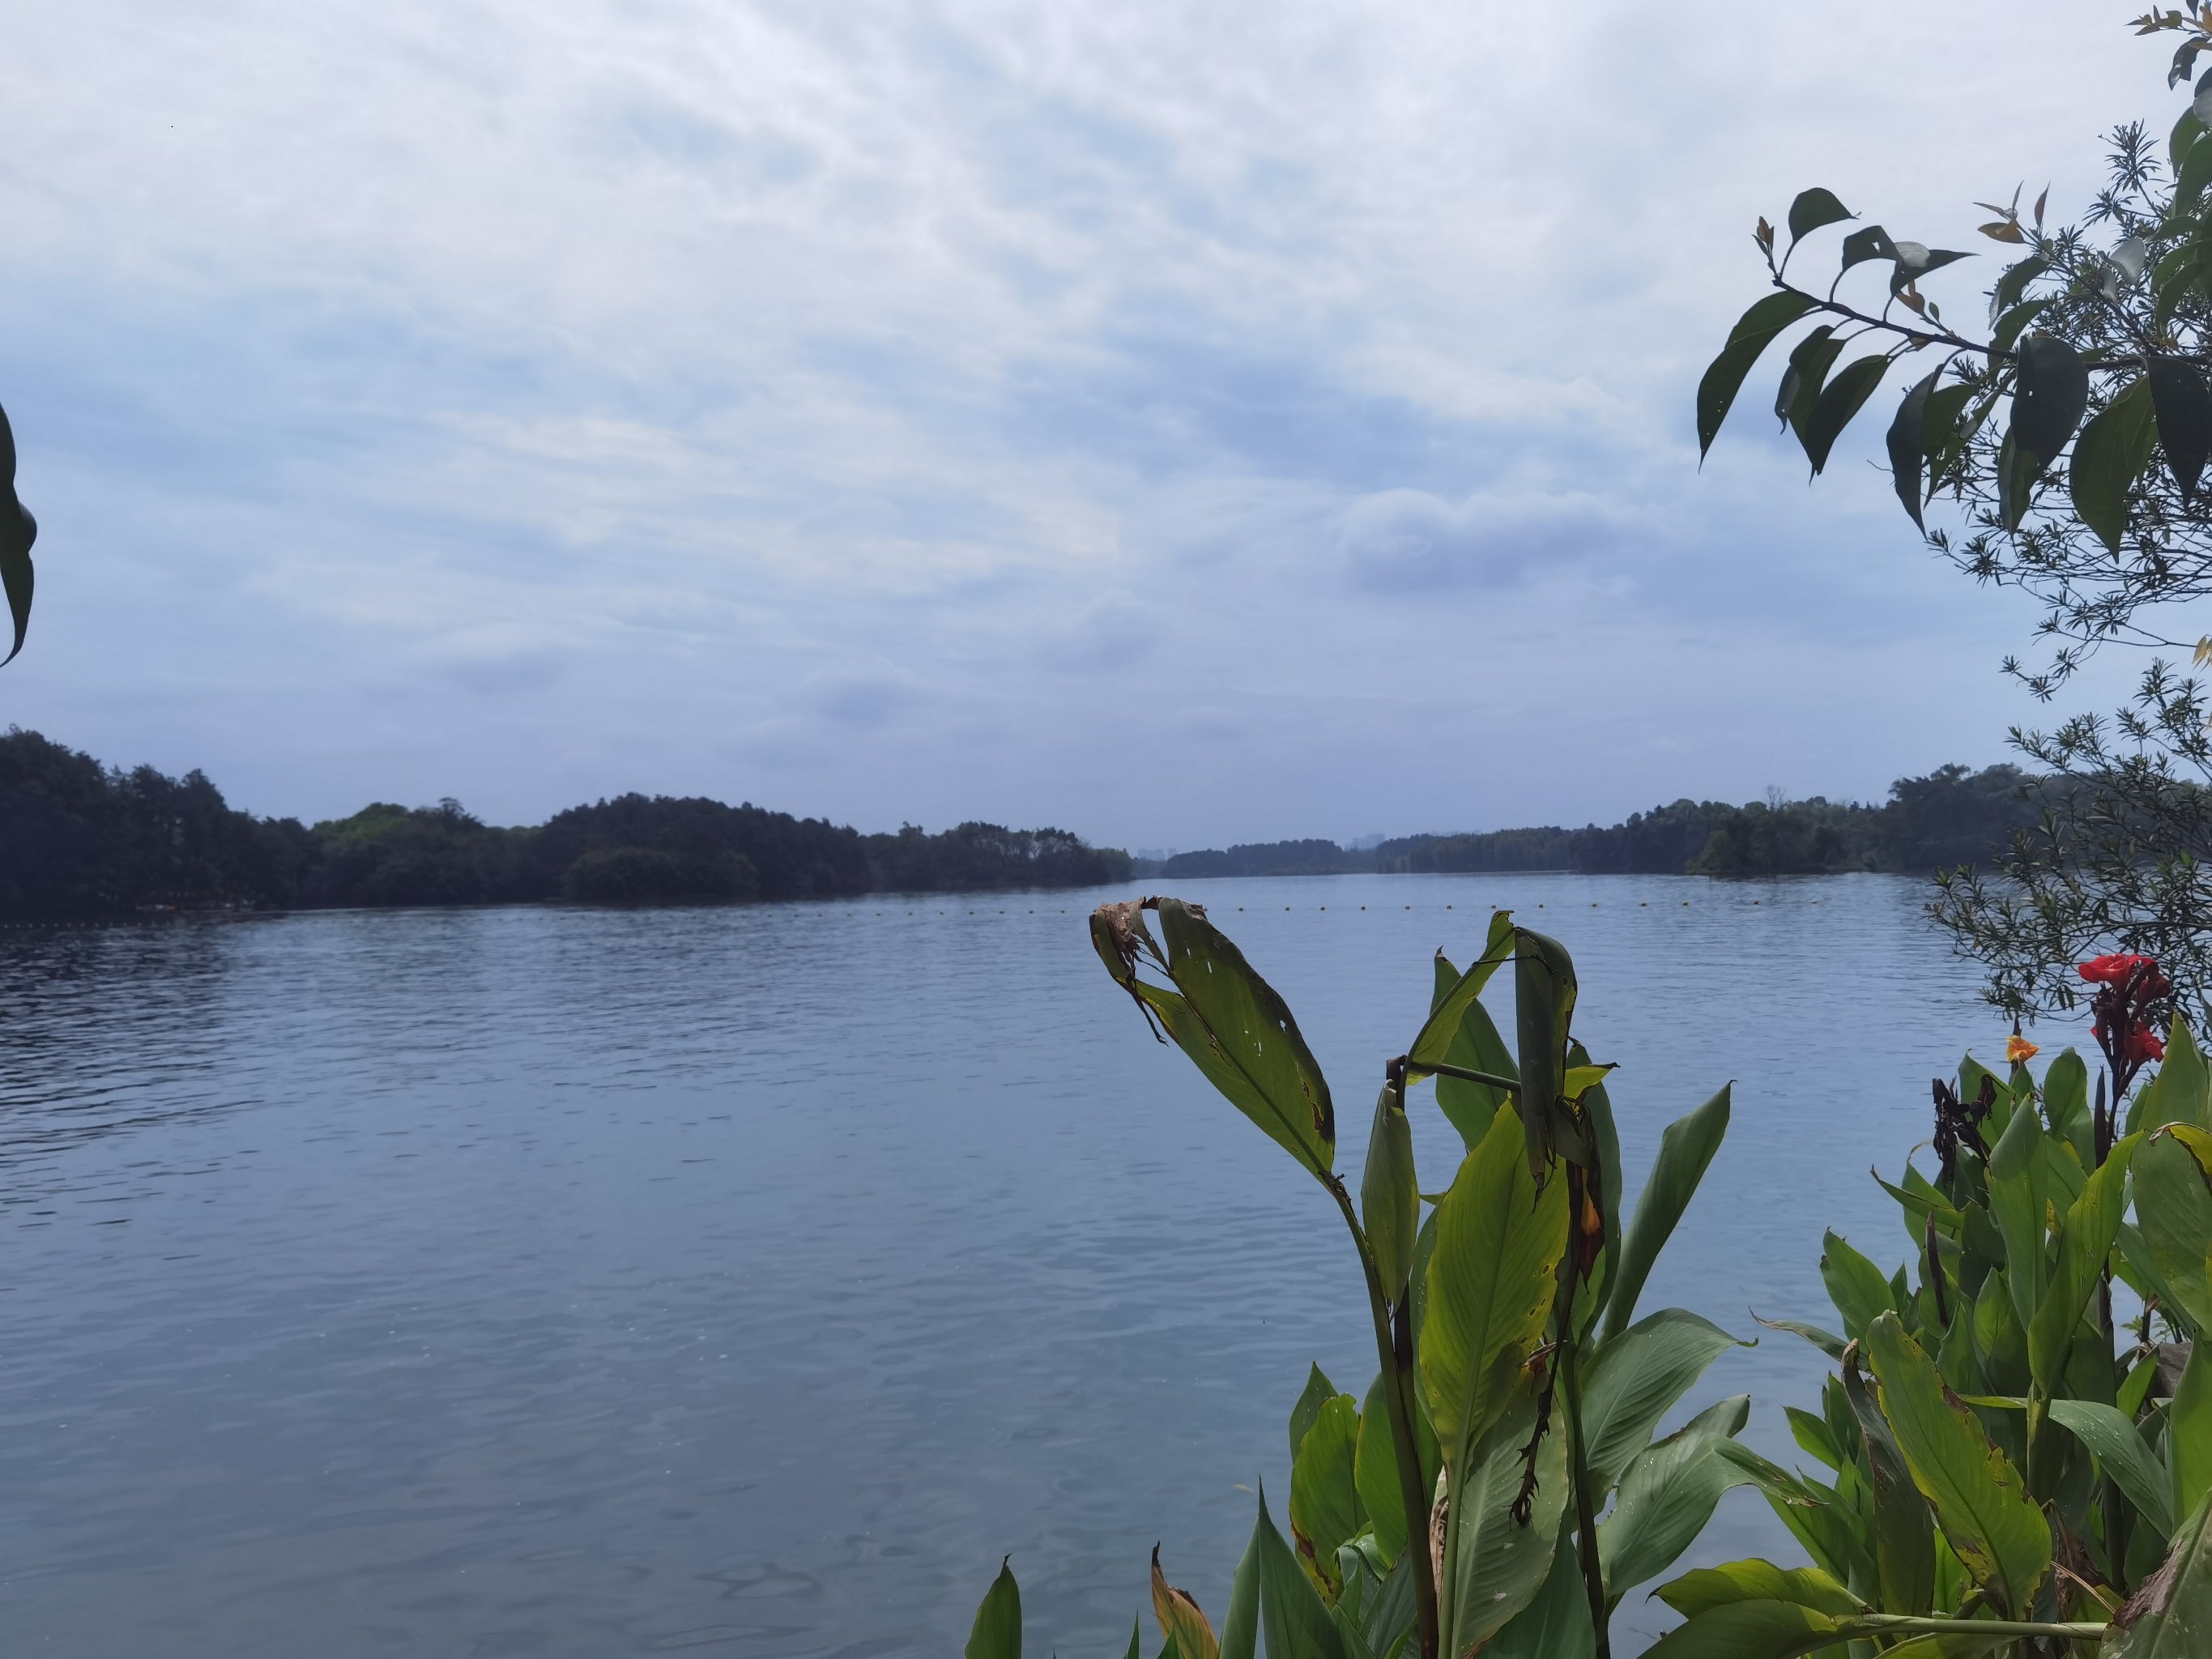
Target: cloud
[(1399, 541)]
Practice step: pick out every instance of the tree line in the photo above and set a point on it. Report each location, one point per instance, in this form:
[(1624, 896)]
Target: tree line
[(1950, 816), (78, 839)]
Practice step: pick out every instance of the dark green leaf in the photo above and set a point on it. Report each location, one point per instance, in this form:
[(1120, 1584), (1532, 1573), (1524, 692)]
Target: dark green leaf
[(2170, 1616), (18, 531), (997, 1633), (1747, 1629), (2174, 1212), (1240, 1631), (1754, 332), (1810, 359), (1985, 1512), (2020, 1198), (1325, 1509), (2184, 408), (1872, 243), (1839, 400), (1708, 1588), (1685, 1149), (1375, 1469), (2011, 287), (2066, 1100), (2091, 1223), (2189, 1432), (2118, 1446), (1907, 464), (1904, 1531), (1450, 1005), (2189, 183), (1826, 1341), (1291, 1613), (1668, 1493), (2010, 326), (1318, 1393), (1493, 1564), (1911, 269), (2114, 448), (1543, 1007), (1557, 1624), (1855, 1284), (2049, 396), (1814, 209)]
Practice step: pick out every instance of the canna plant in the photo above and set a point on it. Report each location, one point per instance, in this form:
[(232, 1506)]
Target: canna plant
[(1497, 1486), (1999, 1474)]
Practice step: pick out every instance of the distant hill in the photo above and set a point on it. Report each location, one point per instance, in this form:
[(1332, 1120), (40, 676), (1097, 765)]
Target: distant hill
[(79, 839), (1952, 816)]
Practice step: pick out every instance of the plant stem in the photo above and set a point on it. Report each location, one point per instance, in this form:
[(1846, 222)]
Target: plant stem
[(1397, 1399), (1906, 1624), (1466, 1074), (1585, 1499)]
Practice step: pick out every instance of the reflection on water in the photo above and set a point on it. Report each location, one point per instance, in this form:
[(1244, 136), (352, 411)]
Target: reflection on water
[(579, 1283)]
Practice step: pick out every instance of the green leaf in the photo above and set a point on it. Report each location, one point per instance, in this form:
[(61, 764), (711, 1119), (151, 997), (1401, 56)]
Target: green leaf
[(1390, 1196), (1450, 1006), (1244, 1038), (1818, 1516), (1814, 209), (1872, 243), (2111, 1436), (1318, 1393), (1557, 1624), (1809, 363), (2189, 1432), (18, 531), (2195, 173), (1375, 1469), (2174, 1212), (1986, 1514), (2170, 1616), (1685, 1150), (1240, 1631), (1180, 1621), (2182, 406), (1634, 1380), (997, 1633), (1491, 1279), (1544, 993), (1754, 332), (1747, 1630), (2182, 1092), (2019, 1199), (2114, 449), (1826, 1340), (1838, 401), (2009, 328), (1493, 1565), (1292, 1615), (2066, 1103), (1904, 1531), (1669, 1491), (1855, 1284), (2085, 1240), (1907, 464), (1476, 1046), (2011, 287), (2049, 396), (1325, 1509), (1708, 1588)]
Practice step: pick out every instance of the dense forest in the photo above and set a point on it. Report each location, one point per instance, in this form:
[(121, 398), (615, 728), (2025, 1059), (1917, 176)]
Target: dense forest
[(1952, 816), (81, 840)]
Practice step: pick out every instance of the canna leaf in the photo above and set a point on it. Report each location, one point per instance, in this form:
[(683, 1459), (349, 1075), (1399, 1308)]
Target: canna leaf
[(1476, 1046), (1986, 1514), (1450, 1006), (997, 1632), (2170, 1616), (2189, 1433), (1839, 400), (2182, 406), (1668, 1493), (1814, 209), (2174, 1212), (1390, 1196), (1754, 332), (1685, 1151), (1708, 1588), (1325, 1509), (2049, 396), (1240, 1631), (1494, 1564), (2112, 1437), (1749, 1629), (1318, 1393), (1544, 993), (1180, 1621), (1295, 1622), (2092, 1223), (1634, 1380), (1855, 1284), (2066, 1102), (1490, 1288), (1557, 1624), (1826, 1341), (1375, 1469), (2019, 1199), (1904, 1531), (2114, 449)]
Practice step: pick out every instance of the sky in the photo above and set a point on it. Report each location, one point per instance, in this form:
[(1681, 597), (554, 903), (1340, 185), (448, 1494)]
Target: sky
[(1180, 423)]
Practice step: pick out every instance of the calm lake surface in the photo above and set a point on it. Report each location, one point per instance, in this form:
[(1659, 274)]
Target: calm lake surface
[(570, 1282)]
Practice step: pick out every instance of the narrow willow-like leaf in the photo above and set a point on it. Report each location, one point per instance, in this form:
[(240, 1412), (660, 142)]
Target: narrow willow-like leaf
[(2114, 449), (1984, 1510), (1685, 1151), (1754, 332), (1490, 1280), (1634, 1380), (997, 1632)]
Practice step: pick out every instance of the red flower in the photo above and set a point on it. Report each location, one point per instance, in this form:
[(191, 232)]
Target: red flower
[(2145, 1045), (2113, 969)]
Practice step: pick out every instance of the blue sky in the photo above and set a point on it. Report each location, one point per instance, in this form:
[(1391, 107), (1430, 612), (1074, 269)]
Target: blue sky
[(1180, 422)]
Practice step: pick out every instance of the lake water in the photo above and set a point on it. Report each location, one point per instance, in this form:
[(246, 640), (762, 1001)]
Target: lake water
[(569, 1282)]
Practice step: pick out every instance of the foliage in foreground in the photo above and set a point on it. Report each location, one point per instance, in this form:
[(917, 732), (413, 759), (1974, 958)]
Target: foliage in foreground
[(2066, 443)]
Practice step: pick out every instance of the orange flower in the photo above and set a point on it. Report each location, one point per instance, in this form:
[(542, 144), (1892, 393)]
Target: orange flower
[(2019, 1049)]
